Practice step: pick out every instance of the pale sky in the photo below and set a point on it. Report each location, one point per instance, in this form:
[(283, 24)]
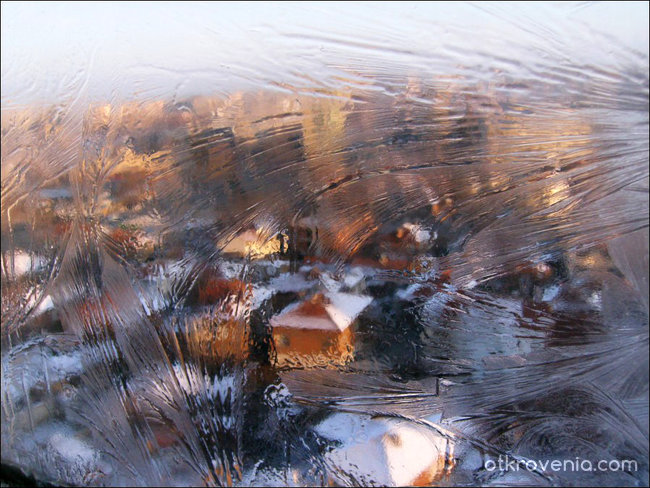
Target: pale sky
[(53, 49)]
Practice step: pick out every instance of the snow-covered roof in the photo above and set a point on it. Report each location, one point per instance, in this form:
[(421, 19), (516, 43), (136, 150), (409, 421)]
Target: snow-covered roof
[(337, 312), (382, 451)]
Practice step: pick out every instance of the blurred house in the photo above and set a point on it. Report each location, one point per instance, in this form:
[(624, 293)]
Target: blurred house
[(317, 331), (387, 452)]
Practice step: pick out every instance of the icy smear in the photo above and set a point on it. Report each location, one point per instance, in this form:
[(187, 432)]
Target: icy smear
[(365, 244)]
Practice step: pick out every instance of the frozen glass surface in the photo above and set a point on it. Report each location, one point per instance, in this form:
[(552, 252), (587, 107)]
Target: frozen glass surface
[(325, 243)]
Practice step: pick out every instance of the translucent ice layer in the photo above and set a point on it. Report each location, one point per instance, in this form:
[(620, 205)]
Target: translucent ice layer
[(325, 244)]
